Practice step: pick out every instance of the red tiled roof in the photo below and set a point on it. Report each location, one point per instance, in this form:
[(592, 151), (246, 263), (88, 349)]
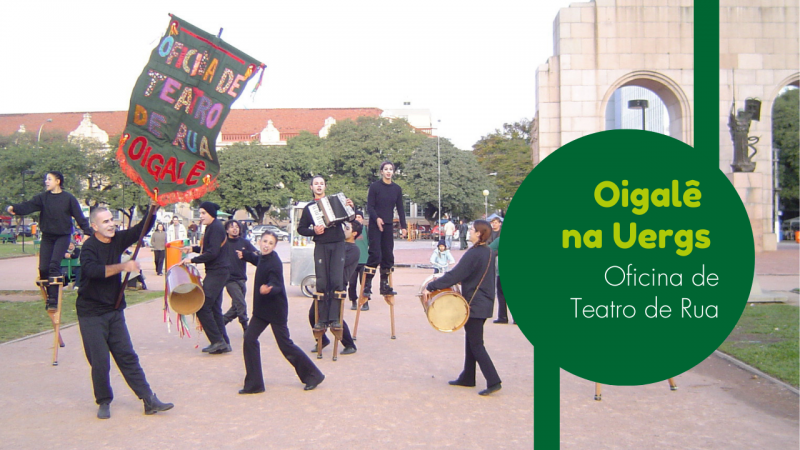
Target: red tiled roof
[(246, 122)]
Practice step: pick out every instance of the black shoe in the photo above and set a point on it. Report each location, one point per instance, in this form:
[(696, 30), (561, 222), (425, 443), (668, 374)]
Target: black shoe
[(500, 321), (388, 291), (225, 349), (320, 326), (324, 344), (104, 411), (348, 350), (335, 324), (365, 306), (310, 386), (51, 304), (460, 383), (215, 347), (251, 391), (490, 389), (153, 405), (354, 305)]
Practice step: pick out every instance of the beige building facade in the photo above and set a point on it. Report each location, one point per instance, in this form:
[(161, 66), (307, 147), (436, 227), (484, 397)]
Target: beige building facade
[(603, 45)]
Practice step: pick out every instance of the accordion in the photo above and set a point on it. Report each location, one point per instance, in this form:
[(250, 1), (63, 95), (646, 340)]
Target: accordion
[(331, 210)]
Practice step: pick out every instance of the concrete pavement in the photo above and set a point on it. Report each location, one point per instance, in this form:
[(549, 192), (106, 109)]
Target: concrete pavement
[(391, 394)]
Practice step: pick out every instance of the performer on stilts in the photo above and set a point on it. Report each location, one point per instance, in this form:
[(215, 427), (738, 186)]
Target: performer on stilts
[(329, 254), (351, 256), (57, 207), (383, 197)]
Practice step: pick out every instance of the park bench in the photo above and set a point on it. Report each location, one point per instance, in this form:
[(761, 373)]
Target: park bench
[(8, 237)]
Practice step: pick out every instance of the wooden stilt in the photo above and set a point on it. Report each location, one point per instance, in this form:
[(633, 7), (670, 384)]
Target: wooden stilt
[(318, 333), (361, 297), (338, 331), (56, 318), (390, 300)]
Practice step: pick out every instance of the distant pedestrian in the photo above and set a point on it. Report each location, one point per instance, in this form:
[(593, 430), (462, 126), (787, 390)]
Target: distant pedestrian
[(463, 230), (158, 242)]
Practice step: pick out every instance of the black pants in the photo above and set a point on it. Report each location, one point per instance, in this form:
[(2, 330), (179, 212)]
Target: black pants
[(108, 334), (347, 338), (502, 308), (329, 270), (51, 251), (355, 279), (306, 370), (381, 246), (475, 351), (237, 289), (463, 241), (159, 260), (210, 315)]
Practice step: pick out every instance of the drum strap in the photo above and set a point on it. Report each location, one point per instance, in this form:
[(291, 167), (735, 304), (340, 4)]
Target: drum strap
[(489, 263)]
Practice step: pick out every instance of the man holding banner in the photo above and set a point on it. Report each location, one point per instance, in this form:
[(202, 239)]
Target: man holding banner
[(177, 109)]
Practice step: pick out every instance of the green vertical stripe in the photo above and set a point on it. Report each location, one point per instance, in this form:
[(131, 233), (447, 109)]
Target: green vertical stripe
[(706, 79), (546, 398)]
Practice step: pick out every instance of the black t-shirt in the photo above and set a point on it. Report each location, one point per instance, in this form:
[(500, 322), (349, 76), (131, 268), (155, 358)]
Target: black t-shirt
[(213, 256), (98, 293), (305, 227), (382, 199), (57, 211), (238, 266)]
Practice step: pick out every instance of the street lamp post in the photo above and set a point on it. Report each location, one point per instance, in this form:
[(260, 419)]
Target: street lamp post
[(485, 203), (39, 137), (24, 172), (639, 104)]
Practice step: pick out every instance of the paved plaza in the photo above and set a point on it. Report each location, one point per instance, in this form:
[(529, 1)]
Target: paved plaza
[(391, 394)]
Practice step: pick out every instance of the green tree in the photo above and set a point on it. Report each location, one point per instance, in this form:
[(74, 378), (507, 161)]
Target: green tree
[(252, 177), (785, 132), (507, 153), (462, 179), (357, 149), (23, 153)]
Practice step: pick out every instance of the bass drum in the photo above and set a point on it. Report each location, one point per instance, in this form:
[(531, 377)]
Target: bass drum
[(184, 291), (446, 309)]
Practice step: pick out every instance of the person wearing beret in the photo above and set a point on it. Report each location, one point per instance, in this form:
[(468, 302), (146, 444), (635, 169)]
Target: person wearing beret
[(217, 273)]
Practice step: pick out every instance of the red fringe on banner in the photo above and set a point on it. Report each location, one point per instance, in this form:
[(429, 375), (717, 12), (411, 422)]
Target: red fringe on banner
[(163, 199)]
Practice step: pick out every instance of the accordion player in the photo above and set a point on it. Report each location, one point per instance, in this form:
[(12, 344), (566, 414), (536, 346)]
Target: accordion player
[(331, 210)]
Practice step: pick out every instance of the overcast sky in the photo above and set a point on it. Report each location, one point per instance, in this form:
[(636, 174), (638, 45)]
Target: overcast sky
[(473, 64)]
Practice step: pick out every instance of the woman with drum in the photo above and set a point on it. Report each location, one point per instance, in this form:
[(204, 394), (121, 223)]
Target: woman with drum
[(476, 273)]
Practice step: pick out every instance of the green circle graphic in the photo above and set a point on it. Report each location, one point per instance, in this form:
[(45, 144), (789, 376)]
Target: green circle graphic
[(692, 255)]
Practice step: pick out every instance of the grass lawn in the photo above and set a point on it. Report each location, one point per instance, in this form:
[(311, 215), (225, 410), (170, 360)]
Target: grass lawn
[(20, 319), (9, 250), (766, 338)]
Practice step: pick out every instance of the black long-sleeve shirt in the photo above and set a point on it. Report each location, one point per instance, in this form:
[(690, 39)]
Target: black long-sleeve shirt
[(469, 271), (272, 307), (305, 227), (382, 199), (98, 293), (238, 266), (57, 210), (213, 256)]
